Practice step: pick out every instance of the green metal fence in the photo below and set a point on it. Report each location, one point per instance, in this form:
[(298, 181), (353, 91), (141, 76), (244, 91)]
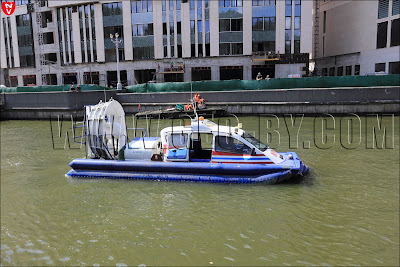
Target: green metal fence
[(281, 83), (51, 88)]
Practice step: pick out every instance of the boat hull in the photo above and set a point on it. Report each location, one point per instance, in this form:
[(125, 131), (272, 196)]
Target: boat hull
[(189, 171)]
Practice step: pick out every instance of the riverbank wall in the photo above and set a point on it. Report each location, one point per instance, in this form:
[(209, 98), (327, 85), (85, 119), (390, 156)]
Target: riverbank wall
[(359, 100), (277, 101), (43, 105)]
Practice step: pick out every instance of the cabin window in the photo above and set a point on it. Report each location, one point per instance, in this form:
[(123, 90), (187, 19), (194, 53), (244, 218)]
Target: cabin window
[(178, 140), (201, 147), (231, 145), (205, 139), (255, 142)]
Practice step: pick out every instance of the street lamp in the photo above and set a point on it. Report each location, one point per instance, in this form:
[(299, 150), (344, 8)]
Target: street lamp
[(117, 41)]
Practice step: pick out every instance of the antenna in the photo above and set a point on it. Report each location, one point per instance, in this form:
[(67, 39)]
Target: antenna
[(193, 102), (191, 91)]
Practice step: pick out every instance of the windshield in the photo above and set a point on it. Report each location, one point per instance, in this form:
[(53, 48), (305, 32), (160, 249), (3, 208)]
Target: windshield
[(255, 142)]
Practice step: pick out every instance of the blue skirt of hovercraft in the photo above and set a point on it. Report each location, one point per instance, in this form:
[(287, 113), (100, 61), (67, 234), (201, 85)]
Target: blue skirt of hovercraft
[(188, 171)]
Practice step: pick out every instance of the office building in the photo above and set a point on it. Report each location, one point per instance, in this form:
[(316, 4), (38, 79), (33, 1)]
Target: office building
[(357, 37), (65, 42)]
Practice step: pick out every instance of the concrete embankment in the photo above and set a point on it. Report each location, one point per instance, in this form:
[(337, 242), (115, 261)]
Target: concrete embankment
[(42, 105), (278, 101), (385, 99)]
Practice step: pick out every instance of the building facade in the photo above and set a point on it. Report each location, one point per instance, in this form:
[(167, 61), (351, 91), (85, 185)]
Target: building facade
[(55, 42), (357, 37)]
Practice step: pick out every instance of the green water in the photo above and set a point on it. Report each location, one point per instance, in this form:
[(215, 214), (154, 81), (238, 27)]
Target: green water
[(345, 213)]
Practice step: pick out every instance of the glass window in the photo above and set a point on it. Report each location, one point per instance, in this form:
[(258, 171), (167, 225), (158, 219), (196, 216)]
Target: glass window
[(151, 31), (288, 10), (288, 35), (340, 71), (396, 7), (177, 140), (288, 23), (297, 23), (171, 5), (145, 29), (199, 26), (394, 67), (297, 46), (230, 3), (257, 24), (179, 27), (231, 145), (192, 23), (381, 41), (140, 30), (272, 24), (395, 33), (144, 7), (171, 28), (357, 70), (255, 142), (383, 9), (118, 8), (192, 4), (267, 24), (287, 47), (380, 67), (164, 28), (224, 49), (296, 34), (224, 25), (236, 25), (332, 71), (135, 30), (348, 70), (164, 5), (139, 6), (178, 4), (237, 48), (297, 10)]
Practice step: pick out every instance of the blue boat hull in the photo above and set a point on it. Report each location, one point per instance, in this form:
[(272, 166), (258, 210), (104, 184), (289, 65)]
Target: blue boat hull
[(189, 171)]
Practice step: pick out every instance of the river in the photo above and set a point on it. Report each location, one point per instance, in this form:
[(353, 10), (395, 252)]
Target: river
[(346, 212)]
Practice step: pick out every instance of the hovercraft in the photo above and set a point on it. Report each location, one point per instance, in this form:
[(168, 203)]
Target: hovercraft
[(200, 151)]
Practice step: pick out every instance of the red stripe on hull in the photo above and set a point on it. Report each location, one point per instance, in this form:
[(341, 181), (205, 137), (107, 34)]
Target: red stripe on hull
[(233, 154), (242, 162)]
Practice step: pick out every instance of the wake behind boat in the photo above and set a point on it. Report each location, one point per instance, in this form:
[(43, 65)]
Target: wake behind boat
[(200, 151)]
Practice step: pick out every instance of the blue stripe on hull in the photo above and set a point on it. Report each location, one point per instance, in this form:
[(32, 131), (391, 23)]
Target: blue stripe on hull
[(271, 178)]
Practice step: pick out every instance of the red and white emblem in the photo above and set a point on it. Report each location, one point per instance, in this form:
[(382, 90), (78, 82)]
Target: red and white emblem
[(8, 8)]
